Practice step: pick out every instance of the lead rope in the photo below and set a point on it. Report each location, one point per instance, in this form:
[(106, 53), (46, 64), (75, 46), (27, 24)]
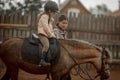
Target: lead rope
[(80, 67)]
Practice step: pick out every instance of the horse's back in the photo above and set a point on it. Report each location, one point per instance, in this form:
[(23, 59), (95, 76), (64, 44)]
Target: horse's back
[(13, 41), (10, 47)]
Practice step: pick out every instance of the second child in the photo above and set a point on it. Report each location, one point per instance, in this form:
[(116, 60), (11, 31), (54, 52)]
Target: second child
[(60, 28)]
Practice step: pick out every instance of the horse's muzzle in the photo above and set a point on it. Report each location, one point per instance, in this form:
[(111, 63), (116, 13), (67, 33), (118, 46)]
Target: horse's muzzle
[(105, 75)]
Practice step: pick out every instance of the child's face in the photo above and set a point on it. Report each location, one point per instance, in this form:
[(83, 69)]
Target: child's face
[(63, 24)]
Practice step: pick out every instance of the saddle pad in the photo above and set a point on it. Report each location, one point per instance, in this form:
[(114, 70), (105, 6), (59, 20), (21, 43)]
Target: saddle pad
[(31, 54)]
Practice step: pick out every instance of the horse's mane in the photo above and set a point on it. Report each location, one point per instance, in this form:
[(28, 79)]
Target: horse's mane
[(83, 43)]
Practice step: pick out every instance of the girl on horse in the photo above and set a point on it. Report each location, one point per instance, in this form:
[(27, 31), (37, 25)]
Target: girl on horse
[(45, 28)]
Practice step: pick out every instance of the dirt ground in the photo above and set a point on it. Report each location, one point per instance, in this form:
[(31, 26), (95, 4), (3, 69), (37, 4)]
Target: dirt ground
[(115, 75)]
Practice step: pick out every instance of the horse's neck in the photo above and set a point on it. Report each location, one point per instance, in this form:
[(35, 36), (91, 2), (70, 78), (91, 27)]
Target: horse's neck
[(70, 52), (81, 53)]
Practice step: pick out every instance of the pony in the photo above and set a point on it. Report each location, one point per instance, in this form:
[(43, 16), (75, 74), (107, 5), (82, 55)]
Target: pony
[(72, 53)]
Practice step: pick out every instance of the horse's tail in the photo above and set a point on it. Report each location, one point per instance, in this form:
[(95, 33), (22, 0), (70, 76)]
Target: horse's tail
[(108, 55)]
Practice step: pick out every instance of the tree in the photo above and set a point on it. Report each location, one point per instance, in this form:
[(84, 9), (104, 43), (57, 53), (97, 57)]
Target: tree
[(27, 5), (30, 5), (100, 9)]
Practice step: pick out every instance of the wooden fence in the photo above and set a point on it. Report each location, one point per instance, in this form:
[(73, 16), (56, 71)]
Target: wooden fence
[(17, 25), (100, 30), (89, 27)]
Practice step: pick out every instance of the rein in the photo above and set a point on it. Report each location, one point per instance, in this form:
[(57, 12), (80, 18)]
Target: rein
[(86, 73)]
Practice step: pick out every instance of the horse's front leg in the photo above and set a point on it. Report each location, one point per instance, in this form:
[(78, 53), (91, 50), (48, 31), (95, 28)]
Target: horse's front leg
[(65, 77), (56, 77), (68, 76)]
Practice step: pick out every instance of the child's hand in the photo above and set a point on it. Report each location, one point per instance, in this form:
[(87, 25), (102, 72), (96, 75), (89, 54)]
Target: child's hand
[(52, 20)]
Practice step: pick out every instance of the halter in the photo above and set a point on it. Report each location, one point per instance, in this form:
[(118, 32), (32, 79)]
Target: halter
[(101, 73), (103, 69)]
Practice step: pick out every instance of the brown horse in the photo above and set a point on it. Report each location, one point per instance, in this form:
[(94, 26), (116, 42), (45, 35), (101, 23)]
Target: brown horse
[(72, 53)]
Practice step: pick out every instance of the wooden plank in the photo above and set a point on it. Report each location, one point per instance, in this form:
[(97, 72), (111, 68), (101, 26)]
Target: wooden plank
[(11, 19), (32, 19), (16, 18), (0, 18), (115, 62), (14, 25)]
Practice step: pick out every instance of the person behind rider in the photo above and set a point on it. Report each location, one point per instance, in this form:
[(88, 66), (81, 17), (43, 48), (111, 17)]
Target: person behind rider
[(45, 28), (60, 31), (60, 28)]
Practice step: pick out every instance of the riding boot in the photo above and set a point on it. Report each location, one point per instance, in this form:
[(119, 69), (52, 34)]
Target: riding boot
[(43, 62)]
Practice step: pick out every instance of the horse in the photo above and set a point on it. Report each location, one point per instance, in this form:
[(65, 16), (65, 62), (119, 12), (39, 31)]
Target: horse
[(72, 53)]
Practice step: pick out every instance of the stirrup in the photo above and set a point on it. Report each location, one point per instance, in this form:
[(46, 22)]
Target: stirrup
[(44, 63)]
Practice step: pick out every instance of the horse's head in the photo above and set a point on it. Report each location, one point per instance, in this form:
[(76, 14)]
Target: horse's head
[(106, 60)]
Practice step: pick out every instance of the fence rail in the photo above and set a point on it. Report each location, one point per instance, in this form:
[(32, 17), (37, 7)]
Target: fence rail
[(12, 32)]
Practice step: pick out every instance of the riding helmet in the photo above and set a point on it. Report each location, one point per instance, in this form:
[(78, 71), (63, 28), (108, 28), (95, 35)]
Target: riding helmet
[(51, 5)]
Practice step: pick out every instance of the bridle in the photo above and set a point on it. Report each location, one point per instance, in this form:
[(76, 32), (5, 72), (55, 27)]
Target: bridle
[(103, 62), (101, 73)]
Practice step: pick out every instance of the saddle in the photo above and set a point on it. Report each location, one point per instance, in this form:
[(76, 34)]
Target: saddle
[(32, 50)]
